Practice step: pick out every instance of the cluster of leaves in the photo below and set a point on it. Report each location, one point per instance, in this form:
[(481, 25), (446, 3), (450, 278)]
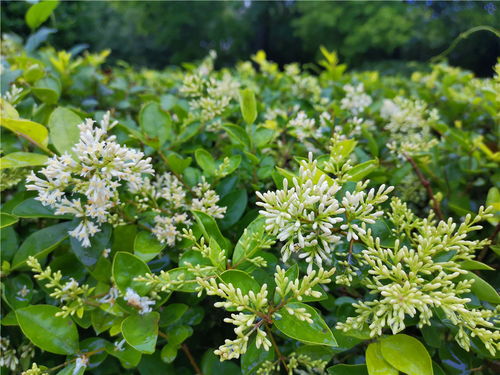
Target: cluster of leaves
[(323, 279)]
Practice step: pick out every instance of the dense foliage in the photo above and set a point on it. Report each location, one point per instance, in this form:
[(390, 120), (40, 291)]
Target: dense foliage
[(251, 220), (154, 33)]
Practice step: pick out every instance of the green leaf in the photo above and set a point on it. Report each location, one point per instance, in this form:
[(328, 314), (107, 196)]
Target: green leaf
[(22, 159), (32, 208), (262, 136), (178, 334), (6, 220), (52, 333), (343, 148), (125, 268), (18, 291), (316, 332), (155, 123), (168, 353), (362, 170), (182, 273), (347, 370), (47, 89), (238, 135), (146, 246), (481, 288), (64, 132), (210, 229), (32, 131), (241, 280), (141, 331), (376, 363), (172, 313), (252, 240), (41, 243), (248, 105), (236, 203), (234, 163), (406, 354), (128, 357), (205, 161), (475, 265), (177, 164), (40, 12), (91, 254), (7, 110), (253, 358)]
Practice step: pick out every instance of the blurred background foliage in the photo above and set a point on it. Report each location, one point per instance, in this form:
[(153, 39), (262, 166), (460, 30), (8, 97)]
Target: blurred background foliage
[(366, 34)]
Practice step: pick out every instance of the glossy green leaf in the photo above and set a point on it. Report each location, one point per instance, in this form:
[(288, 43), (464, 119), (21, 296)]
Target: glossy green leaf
[(210, 229), (155, 123), (54, 334), (406, 354), (22, 159), (7, 110), (235, 203), (32, 131), (238, 135), (475, 265), (376, 363), (90, 255), (252, 240), (47, 89), (248, 105), (146, 246), (316, 332), (172, 313), (128, 357), (32, 208), (18, 291), (125, 268), (141, 331), (253, 358), (7, 220), (40, 12), (205, 161), (64, 132), (41, 243), (178, 334), (360, 171), (168, 353), (481, 288), (177, 164), (241, 280)]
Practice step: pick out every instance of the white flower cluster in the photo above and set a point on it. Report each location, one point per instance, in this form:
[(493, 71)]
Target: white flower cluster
[(303, 127), (71, 293), (85, 183), (255, 310), (355, 100), (409, 281), (10, 357), (409, 124), (209, 96), (166, 196), (310, 219)]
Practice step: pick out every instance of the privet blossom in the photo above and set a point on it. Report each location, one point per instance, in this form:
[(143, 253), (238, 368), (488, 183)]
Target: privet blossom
[(409, 280), (85, 183), (310, 217)]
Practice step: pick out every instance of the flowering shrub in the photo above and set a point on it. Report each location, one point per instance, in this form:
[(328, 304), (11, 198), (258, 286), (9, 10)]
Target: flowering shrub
[(252, 220)]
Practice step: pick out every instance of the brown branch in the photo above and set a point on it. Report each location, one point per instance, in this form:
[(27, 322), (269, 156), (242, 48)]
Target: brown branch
[(281, 357), (188, 354), (427, 185)]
